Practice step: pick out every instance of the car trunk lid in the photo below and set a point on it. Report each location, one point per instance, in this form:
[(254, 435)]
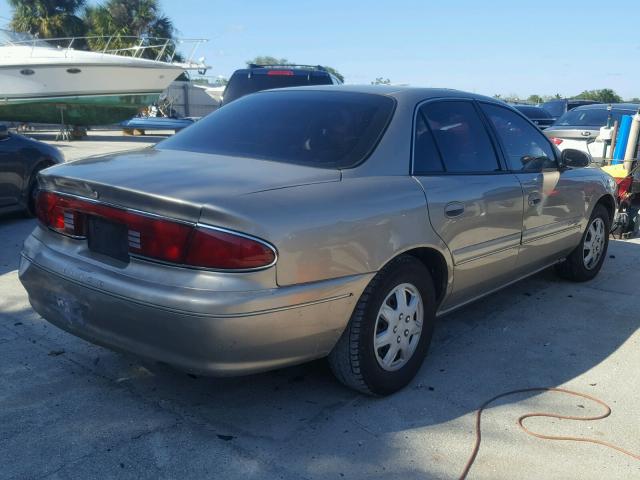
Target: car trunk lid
[(572, 132), (175, 184)]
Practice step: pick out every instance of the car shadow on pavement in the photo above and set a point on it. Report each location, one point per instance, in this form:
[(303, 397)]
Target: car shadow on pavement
[(14, 228), (299, 421)]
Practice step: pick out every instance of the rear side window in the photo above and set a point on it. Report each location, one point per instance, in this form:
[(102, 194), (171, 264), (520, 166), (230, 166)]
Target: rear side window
[(244, 83), (526, 148), (461, 137), (426, 158), (316, 128)]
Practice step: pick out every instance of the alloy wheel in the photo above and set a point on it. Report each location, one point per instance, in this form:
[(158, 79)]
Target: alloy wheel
[(594, 242), (398, 327)]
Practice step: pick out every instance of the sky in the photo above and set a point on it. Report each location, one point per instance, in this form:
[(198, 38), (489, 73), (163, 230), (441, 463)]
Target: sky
[(500, 47)]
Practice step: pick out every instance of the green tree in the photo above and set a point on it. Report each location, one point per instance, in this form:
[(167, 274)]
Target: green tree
[(143, 20), (381, 81), (48, 18), (605, 95), (268, 60), (535, 99), (334, 72)]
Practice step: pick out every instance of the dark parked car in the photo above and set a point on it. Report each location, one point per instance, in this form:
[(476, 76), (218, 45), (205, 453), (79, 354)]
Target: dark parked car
[(538, 115), (265, 77), (21, 158), (559, 107)]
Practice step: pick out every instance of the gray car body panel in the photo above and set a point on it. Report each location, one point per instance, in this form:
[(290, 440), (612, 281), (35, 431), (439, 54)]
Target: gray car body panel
[(333, 230)]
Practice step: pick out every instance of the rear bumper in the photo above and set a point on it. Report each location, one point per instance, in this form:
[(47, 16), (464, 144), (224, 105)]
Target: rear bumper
[(294, 325)]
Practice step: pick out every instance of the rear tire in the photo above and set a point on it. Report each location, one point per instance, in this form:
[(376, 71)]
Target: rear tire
[(362, 359), (584, 263)]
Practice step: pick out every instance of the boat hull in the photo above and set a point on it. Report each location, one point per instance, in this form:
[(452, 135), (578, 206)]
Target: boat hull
[(77, 110)]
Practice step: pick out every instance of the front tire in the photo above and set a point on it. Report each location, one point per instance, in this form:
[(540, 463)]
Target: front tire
[(584, 263), (390, 330)]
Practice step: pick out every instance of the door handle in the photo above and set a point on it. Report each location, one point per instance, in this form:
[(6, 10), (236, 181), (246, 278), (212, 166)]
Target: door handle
[(454, 209), (534, 199)]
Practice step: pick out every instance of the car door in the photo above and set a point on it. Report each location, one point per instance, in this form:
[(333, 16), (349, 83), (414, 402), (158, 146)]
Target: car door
[(11, 171), (554, 200), (474, 205)]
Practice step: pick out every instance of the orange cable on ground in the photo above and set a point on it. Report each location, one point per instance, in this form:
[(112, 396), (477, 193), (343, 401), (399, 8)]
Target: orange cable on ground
[(521, 419)]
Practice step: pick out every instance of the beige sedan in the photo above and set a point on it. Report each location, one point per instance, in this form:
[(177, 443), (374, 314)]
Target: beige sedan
[(302, 223)]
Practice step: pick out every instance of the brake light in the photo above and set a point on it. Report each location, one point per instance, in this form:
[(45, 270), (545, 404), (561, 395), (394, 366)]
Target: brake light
[(286, 73), (156, 238), (217, 249), (55, 212), (556, 141)]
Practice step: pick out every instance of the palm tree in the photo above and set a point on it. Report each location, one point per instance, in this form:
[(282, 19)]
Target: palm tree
[(130, 18), (48, 18)]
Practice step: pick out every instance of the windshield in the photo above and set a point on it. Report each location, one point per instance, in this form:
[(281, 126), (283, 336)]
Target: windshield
[(315, 128), (8, 37), (591, 117), (242, 84)]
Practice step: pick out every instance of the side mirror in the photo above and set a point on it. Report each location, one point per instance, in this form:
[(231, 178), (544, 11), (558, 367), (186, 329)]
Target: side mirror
[(4, 132), (571, 158)]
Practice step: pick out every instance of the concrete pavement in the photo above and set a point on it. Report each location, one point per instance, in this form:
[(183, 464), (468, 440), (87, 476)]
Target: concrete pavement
[(69, 409)]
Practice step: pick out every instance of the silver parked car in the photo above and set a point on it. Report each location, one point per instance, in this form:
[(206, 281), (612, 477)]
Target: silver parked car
[(301, 223), (579, 129)]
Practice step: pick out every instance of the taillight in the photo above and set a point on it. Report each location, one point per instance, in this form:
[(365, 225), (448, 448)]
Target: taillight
[(285, 73), (156, 238), (228, 251), (57, 213), (556, 140)]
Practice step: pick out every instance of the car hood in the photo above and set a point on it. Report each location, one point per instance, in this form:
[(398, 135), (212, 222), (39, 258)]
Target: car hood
[(176, 183)]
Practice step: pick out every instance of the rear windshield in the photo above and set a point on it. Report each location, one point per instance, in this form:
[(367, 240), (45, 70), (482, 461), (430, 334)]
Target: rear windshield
[(590, 117), (315, 128), (244, 83)]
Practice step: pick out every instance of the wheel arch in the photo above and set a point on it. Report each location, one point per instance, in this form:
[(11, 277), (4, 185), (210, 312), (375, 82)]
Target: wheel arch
[(608, 202), (41, 164), (437, 265)]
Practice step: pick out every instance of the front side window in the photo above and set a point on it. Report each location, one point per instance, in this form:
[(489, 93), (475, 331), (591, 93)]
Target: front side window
[(525, 147), (327, 129), (461, 137)]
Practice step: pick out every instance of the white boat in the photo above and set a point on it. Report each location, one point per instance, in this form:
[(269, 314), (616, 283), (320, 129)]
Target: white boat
[(215, 92), (44, 83)]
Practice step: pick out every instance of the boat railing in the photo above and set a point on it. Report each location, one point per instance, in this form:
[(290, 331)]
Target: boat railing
[(165, 49)]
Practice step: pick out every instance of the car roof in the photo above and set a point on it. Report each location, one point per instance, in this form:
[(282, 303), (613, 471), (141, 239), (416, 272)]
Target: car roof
[(522, 105), (404, 93), (298, 69), (604, 106)]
